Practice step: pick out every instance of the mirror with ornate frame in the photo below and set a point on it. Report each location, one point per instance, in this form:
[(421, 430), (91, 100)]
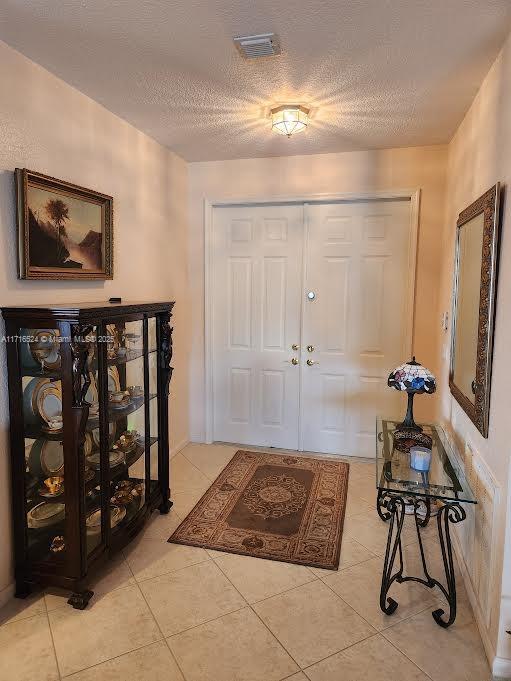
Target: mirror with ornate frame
[(475, 286)]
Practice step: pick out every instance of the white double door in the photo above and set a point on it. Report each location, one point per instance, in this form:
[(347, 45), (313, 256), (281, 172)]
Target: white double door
[(309, 307)]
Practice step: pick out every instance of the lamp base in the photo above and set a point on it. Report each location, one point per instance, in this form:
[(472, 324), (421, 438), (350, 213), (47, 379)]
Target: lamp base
[(409, 423)]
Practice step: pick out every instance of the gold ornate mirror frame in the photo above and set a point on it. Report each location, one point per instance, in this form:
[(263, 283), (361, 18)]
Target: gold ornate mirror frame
[(477, 406)]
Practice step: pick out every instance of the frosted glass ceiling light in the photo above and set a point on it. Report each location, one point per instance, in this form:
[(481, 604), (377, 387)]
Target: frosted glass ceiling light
[(289, 119)]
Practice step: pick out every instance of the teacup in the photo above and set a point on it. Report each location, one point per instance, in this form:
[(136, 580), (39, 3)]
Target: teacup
[(127, 439), (54, 484), (135, 390), (117, 396), (55, 422)]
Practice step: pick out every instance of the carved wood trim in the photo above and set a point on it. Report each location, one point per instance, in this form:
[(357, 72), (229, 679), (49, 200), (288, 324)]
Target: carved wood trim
[(80, 346), (478, 411), (165, 351)]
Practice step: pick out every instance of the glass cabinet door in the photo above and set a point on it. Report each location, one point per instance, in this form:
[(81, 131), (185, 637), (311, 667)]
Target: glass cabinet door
[(41, 386), (93, 482), (126, 357), (152, 364)]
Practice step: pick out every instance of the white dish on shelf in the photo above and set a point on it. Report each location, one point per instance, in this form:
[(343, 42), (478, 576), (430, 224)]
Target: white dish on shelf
[(93, 520), (115, 458), (44, 514)]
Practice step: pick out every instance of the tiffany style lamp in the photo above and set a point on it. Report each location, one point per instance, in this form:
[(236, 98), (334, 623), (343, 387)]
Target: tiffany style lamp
[(412, 378)]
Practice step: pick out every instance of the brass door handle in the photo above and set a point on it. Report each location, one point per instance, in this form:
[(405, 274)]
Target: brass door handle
[(311, 362), (292, 361)]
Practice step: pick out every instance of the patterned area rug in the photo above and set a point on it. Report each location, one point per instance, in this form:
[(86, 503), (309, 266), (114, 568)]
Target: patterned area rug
[(274, 506)]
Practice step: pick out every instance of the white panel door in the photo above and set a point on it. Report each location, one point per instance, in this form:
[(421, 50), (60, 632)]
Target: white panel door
[(357, 267), (256, 263)]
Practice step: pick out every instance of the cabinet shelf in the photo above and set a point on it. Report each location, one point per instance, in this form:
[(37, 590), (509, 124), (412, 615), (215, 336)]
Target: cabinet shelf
[(56, 375), (118, 414)]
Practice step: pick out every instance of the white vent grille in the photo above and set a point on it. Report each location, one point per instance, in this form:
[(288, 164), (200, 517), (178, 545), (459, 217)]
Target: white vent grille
[(255, 46)]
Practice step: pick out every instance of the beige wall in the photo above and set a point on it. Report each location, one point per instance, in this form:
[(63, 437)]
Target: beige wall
[(479, 156), (47, 126), (300, 176)]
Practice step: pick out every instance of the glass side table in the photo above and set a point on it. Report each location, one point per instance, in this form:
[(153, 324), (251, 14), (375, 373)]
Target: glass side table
[(400, 486)]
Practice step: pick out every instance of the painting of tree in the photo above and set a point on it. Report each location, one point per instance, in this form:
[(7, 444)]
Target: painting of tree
[(58, 212), (66, 230)]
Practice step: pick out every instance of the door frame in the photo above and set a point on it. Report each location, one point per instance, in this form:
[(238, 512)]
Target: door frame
[(413, 195)]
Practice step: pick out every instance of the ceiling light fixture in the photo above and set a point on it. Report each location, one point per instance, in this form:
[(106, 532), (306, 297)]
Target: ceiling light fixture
[(289, 119)]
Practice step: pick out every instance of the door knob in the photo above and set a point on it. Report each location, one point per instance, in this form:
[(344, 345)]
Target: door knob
[(294, 361), (311, 362), (295, 346), (310, 348)]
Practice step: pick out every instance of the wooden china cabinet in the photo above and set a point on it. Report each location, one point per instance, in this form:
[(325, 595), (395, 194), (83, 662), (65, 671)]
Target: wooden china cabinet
[(88, 397)]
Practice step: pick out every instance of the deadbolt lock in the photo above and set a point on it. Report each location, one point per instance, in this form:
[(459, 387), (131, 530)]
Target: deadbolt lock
[(310, 348), (295, 346)]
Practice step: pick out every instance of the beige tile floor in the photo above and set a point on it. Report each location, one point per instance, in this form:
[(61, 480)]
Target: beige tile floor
[(164, 612)]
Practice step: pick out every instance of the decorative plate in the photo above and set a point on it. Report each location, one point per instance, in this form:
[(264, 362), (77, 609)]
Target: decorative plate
[(31, 389), (46, 458), (47, 339), (49, 400), (111, 430), (45, 514)]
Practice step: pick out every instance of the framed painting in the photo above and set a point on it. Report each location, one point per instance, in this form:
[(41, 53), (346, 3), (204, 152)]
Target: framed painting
[(64, 231)]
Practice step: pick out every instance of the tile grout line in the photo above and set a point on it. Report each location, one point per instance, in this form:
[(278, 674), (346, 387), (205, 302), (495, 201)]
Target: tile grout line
[(198, 469), (405, 654), (110, 659), (53, 640), (263, 623), (379, 631), (164, 574), (157, 623), (339, 652)]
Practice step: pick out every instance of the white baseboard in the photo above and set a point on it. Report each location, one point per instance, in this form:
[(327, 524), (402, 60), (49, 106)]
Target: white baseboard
[(180, 445), (198, 439), (501, 669), (6, 594)]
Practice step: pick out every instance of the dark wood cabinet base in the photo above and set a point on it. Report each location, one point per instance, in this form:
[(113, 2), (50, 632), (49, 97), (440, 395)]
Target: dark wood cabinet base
[(165, 507)]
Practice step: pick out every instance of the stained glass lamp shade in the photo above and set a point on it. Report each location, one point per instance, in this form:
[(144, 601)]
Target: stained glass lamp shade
[(412, 378)]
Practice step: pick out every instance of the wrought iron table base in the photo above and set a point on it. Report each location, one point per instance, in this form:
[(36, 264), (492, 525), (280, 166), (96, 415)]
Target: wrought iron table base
[(391, 508)]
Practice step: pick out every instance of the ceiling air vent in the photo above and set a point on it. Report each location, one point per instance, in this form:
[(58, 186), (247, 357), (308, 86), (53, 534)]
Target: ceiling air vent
[(254, 46)]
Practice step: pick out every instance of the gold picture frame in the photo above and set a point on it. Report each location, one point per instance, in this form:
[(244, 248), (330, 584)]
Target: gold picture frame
[(64, 231)]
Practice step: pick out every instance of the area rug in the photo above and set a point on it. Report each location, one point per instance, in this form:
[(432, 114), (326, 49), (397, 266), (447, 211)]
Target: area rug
[(275, 506)]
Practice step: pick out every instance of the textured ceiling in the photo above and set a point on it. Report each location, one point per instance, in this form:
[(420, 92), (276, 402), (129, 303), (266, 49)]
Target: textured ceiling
[(377, 73)]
